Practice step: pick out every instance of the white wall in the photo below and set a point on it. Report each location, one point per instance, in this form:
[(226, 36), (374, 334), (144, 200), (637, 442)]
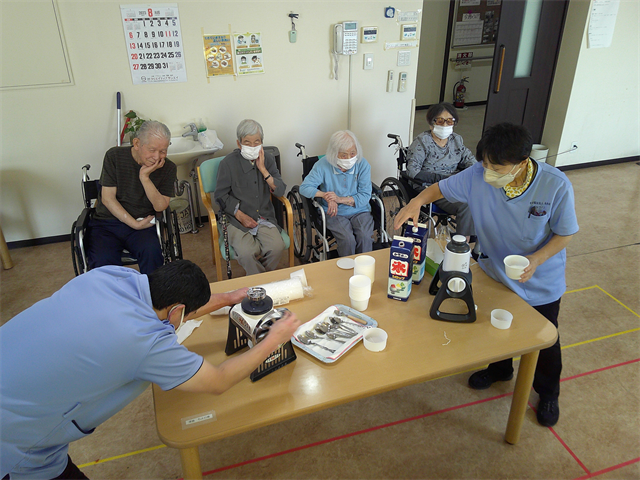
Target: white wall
[(433, 38), (49, 133), (595, 100)]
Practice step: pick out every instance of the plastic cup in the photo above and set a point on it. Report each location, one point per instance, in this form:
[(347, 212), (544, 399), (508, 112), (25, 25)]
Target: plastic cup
[(360, 305), (514, 266), (365, 265), (375, 339), (359, 287), (501, 318)]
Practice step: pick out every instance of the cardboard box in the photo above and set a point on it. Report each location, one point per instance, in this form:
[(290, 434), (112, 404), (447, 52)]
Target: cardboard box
[(400, 268)]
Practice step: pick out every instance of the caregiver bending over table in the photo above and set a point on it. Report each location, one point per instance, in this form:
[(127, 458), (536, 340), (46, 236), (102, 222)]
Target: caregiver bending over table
[(523, 207)]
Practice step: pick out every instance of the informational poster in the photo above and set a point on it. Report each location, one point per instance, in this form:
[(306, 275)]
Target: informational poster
[(602, 22), (218, 55), (476, 22), (468, 33), (248, 48), (154, 43)]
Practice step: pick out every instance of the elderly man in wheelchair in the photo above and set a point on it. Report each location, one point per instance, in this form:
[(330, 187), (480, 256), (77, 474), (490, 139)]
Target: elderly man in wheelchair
[(136, 182), (342, 182)]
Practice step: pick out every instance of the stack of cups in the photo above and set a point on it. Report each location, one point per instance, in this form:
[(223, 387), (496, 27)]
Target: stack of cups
[(359, 292), (365, 265)]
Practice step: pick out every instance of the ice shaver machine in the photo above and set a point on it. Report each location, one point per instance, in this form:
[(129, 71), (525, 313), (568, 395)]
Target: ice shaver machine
[(249, 323), (455, 278)]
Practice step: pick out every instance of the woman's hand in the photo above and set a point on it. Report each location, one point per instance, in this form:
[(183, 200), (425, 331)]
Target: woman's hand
[(332, 208), (260, 163), (245, 219), (330, 197)]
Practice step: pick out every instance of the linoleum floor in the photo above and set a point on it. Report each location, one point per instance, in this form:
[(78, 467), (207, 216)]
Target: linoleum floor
[(440, 429)]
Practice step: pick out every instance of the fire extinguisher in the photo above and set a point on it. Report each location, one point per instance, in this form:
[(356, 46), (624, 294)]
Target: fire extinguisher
[(458, 92)]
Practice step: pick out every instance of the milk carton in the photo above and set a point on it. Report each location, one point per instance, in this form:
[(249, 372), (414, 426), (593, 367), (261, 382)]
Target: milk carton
[(400, 268), (419, 233)]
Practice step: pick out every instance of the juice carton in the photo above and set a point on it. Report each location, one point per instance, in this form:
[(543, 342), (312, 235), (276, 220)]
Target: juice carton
[(400, 268), (419, 233)]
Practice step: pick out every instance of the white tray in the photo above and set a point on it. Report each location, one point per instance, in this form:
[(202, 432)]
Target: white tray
[(340, 348)]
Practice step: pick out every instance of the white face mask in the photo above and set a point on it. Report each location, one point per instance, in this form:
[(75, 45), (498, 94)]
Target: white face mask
[(442, 131), (498, 180), (181, 318), (250, 153), (347, 163)]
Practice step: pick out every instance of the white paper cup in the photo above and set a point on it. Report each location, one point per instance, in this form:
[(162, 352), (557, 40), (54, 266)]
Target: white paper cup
[(375, 339), (365, 265), (514, 266), (360, 305), (501, 318)]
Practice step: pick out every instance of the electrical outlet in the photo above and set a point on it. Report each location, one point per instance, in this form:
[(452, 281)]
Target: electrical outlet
[(574, 146)]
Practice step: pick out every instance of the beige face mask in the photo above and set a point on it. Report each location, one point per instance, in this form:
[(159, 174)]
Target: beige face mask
[(498, 180)]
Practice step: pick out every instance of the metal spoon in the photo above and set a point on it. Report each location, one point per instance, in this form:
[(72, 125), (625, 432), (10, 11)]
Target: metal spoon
[(311, 334), (338, 323), (304, 339), (325, 328), (339, 320), (334, 337)]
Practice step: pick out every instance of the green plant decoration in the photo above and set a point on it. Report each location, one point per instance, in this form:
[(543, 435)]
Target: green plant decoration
[(133, 124)]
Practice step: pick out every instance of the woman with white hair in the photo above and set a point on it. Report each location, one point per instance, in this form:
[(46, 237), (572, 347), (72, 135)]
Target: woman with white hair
[(341, 182)]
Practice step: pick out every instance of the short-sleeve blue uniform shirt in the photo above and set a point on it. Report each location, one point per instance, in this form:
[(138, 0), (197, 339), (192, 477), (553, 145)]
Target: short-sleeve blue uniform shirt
[(73, 360), (519, 226)]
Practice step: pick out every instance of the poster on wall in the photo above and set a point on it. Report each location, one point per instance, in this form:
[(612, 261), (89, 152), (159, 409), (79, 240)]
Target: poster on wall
[(476, 22), (218, 55), (248, 49), (154, 43)]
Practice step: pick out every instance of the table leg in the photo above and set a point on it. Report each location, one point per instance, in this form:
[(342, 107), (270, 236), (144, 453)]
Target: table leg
[(4, 253), (524, 381), (190, 458)]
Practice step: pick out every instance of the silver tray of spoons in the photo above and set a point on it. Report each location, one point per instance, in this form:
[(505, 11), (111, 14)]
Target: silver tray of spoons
[(333, 333)]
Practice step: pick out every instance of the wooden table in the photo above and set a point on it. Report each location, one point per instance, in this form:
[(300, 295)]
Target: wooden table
[(415, 353)]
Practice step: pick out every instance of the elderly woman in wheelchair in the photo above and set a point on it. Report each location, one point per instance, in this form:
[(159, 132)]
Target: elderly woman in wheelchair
[(341, 181), (437, 154)]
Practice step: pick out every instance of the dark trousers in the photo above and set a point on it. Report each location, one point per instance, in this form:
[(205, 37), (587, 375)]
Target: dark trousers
[(546, 381), (107, 238), (71, 472)]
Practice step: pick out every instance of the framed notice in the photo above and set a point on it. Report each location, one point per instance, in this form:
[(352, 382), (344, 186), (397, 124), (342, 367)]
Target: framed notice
[(218, 55), (248, 49), (476, 22), (154, 43)]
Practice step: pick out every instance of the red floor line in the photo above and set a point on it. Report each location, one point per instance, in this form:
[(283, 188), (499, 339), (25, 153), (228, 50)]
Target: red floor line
[(566, 447), (398, 422), (353, 434), (609, 469), (600, 369)]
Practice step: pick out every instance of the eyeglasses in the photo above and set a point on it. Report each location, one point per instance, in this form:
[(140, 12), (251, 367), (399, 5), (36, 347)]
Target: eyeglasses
[(444, 121)]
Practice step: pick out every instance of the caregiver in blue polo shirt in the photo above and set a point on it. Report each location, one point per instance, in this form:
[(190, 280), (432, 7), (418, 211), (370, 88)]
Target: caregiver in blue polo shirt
[(73, 360), (519, 206)]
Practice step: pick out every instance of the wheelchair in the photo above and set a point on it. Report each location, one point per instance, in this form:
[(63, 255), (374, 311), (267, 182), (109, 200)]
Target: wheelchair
[(397, 192), (166, 228), (311, 239)]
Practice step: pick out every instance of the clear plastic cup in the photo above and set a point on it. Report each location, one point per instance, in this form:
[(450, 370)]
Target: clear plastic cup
[(501, 318), (375, 339)]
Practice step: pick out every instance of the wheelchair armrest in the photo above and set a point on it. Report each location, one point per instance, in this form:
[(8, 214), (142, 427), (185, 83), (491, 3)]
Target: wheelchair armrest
[(84, 218), (289, 212), (376, 190)]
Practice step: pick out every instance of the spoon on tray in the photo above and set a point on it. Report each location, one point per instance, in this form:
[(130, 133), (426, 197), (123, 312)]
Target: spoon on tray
[(304, 339)]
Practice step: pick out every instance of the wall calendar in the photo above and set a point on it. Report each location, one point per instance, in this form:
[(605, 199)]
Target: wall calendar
[(154, 43)]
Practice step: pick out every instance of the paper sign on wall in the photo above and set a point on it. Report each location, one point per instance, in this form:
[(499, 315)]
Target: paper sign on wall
[(248, 50), (218, 55), (154, 43)]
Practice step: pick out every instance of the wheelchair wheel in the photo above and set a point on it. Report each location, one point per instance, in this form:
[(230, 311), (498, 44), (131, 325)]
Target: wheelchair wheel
[(301, 226), (171, 245), (394, 197), (76, 256)]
